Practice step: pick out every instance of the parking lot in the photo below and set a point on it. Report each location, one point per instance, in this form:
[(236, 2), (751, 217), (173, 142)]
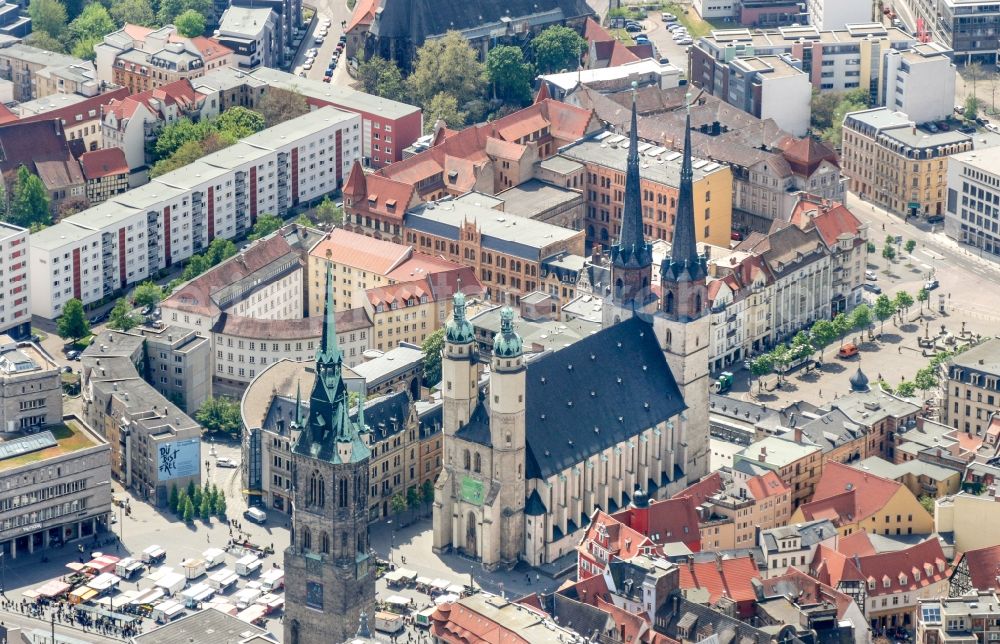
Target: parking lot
[(320, 56)]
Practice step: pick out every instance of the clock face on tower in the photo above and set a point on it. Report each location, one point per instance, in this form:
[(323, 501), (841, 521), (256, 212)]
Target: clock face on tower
[(314, 595)]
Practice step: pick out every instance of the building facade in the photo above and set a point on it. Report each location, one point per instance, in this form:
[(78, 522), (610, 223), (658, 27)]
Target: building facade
[(972, 216), (905, 78), (971, 390), (772, 87), (61, 495), (968, 27), (897, 165), (837, 14), (91, 255), (30, 387), (15, 310)]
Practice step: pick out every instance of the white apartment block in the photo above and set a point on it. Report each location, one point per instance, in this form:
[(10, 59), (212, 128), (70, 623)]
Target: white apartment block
[(972, 215), (715, 9), (907, 77), (836, 14), (120, 242), (15, 309)]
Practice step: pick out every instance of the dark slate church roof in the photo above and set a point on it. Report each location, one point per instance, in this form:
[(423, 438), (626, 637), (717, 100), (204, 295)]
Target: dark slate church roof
[(384, 416), (590, 396), (415, 20)]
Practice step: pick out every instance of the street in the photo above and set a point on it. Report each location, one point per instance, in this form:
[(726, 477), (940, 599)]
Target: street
[(337, 13)]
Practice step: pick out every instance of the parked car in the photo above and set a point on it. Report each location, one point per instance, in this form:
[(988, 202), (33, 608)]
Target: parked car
[(847, 351), (871, 276), (873, 288), (685, 41), (642, 39), (993, 128), (935, 219), (930, 127), (967, 129), (633, 28), (318, 40), (225, 461), (675, 27), (959, 109), (943, 126), (308, 65), (930, 285), (256, 515), (73, 355)]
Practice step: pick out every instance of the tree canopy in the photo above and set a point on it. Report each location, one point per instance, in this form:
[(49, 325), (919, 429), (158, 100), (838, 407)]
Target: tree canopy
[(220, 415), (446, 65), (381, 77), (190, 23), (121, 317), (48, 16), (431, 349), (443, 107), (136, 12), (29, 204), (147, 294), (328, 212), (72, 324), (510, 75), (279, 105), (558, 48), (266, 224)]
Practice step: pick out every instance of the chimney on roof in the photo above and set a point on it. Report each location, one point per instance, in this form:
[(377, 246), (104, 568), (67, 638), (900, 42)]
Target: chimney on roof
[(595, 254), (718, 561), (763, 454), (798, 434)]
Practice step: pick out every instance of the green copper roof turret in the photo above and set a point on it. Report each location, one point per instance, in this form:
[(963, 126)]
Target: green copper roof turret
[(459, 329), (507, 343)]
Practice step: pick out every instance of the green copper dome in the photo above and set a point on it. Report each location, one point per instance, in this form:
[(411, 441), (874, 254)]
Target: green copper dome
[(507, 344), (459, 329)]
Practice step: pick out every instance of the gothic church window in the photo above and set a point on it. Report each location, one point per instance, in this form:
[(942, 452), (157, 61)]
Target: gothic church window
[(478, 463), (306, 539), (342, 493), (324, 543), (466, 460)]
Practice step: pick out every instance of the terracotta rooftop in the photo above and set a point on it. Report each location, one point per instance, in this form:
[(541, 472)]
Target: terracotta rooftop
[(78, 112), (806, 590), (842, 487), (103, 163), (831, 218), (806, 154), (984, 567), (729, 577), (885, 573), (361, 252), (766, 485)]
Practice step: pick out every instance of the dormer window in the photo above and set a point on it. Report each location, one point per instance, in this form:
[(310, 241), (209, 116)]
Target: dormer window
[(902, 579), (452, 175), (372, 199), (390, 204), (886, 582)]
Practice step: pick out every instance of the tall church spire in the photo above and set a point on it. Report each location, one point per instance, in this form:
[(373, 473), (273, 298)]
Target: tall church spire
[(684, 262), (632, 256), (329, 350)]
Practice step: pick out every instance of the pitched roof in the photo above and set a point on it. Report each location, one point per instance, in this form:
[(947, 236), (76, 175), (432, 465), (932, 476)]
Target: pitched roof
[(622, 541), (904, 570), (668, 521), (984, 567), (41, 147), (806, 154), (6, 116), (869, 493), (80, 111), (361, 252), (573, 413), (703, 489), (103, 163), (766, 485), (831, 218), (721, 577), (805, 590), (364, 13)]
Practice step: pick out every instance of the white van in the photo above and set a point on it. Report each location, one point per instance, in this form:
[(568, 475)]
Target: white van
[(256, 515)]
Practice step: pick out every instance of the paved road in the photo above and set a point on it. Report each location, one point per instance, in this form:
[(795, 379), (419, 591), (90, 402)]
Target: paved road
[(337, 13)]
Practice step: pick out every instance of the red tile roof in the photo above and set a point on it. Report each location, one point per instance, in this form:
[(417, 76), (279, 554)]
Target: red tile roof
[(103, 163), (380, 194), (721, 577), (41, 147), (209, 48), (831, 218), (361, 252), (766, 485), (6, 116), (364, 14), (806, 154), (703, 489), (984, 567), (885, 573), (632, 627), (402, 295), (593, 31), (420, 265), (853, 494), (621, 541)]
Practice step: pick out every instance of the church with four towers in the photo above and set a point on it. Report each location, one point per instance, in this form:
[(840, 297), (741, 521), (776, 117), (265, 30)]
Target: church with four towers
[(532, 454)]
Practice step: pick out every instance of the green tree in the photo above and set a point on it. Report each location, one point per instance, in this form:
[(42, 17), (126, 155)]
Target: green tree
[(889, 252), (842, 325), (903, 301), (557, 48), (136, 12), (328, 212), (206, 508), (220, 415), (266, 224), (30, 201), (971, 107), (397, 504), (446, 65), (781, 357), (909, 246), (304, 220), (823, 334), (219, 251), (861, 317), (510, 75), (42, 40), (884, 309), (431, 349), (190, 23), (870, 247), (381, 77), (89, 28), (889, 240), (182, 498), (121, 317), (147, 294), (73, 321), (906, 389), (190, 152), (923, 295), (761, 365), (280, 105), (220, 507), (413, 498), (801, 345), (443, 107), (239, 122), (174, 496), (173, 135), (851, 103), (196, 265), (190, 489), (823, 105), (188, 513), (927, 503), (84, 48), (48, 16), (169, 10), (427, 493), (925, 380)]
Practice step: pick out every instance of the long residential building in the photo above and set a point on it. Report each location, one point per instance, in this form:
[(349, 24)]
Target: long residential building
[(15, 307), (387, 126), (131, 237)]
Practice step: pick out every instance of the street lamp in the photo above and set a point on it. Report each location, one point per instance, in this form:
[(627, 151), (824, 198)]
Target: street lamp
[(392, 541)]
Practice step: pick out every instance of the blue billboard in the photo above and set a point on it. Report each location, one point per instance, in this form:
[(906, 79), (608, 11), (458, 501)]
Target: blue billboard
[(180, 458)]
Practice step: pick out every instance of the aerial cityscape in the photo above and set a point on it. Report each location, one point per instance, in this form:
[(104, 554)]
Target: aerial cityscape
[(533, 322)]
